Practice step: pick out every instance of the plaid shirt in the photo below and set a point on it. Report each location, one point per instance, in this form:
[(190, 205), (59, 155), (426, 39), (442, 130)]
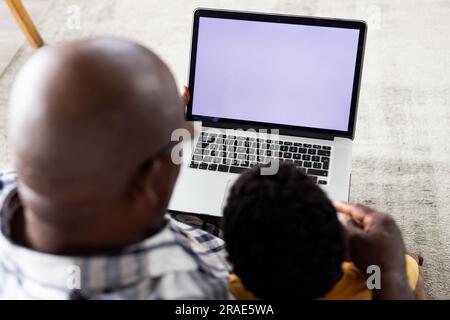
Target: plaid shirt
[(179, 262)]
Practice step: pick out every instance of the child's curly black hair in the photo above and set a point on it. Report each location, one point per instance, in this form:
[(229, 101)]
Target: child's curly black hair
[(282, 235)]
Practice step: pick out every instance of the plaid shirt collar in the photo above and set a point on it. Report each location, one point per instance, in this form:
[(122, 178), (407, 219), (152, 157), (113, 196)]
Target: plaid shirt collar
[(176, 248)]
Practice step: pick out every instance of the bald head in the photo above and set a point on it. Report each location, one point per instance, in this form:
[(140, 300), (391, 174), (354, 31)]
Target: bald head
[(90, 128), (87, 114)]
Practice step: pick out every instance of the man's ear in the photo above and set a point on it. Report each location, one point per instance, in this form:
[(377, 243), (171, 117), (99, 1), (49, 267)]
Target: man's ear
[(150, 192), (155, 182), (165, 174), (142, 184), (146, 197)]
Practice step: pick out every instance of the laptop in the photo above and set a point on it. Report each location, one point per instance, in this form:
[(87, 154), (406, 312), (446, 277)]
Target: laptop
[(268, 88)]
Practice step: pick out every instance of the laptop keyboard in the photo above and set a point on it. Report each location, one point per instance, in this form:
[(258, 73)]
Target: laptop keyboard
[(230, 153)]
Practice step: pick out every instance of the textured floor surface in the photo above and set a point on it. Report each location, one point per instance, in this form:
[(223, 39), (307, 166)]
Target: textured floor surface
[(401, 161)]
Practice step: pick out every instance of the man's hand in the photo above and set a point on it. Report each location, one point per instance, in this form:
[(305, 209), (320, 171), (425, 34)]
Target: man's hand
[(375, 239), (186, 96)]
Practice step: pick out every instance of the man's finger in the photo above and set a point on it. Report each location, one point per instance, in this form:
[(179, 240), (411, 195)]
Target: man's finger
[(361, 214), (342, 207), (352, 227), (186, 96), (348, 209)]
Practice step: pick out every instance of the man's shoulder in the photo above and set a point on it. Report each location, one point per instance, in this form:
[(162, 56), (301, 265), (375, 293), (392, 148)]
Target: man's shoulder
[(210, 277), (187, 262), (7, 178), (202, 239), (207, 249)]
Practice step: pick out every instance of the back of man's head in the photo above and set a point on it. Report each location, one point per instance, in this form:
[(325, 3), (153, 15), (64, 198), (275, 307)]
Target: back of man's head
[(90, 125), (282, 235)]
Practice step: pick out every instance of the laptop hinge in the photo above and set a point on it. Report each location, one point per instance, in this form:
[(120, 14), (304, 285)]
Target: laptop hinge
[(283, 131)]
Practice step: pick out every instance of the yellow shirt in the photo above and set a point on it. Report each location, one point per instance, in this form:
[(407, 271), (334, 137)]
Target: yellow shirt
[(352, 285)]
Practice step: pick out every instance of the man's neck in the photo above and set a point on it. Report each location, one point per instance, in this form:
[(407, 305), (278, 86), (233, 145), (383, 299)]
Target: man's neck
[(30, 232)]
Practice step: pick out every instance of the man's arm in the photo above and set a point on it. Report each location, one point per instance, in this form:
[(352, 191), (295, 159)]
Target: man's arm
[(394, 286)]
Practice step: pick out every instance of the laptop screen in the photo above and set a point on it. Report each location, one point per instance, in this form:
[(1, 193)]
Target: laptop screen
[(276, 73)]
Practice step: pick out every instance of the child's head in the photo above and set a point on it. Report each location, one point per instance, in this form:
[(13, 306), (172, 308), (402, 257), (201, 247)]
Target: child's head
[(282, 235)]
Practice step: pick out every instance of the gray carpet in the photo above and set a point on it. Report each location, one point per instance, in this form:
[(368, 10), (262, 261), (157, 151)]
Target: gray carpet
[(401, 162)]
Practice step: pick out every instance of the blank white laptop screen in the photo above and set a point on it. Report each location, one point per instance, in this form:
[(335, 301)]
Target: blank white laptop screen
[(275, 73)]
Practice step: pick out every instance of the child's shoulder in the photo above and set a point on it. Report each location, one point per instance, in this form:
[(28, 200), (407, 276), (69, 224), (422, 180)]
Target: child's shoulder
[(352, 285)]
